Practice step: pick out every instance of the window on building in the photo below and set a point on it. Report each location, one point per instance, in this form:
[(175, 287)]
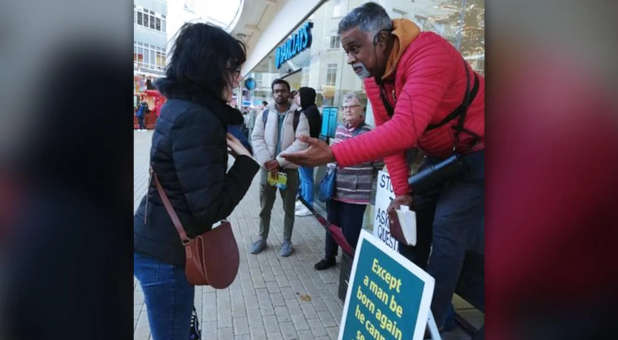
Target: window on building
[(335, 41), (331, 74), (158, 24), (152, 21), (146, 57), (146, 20), (139, 18), (163, 25), (337, 8)]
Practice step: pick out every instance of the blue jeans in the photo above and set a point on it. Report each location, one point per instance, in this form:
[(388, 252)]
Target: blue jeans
[(306, 184), (168, 296)]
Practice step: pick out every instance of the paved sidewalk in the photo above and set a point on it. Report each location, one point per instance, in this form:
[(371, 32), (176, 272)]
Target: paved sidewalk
[(272, 297)]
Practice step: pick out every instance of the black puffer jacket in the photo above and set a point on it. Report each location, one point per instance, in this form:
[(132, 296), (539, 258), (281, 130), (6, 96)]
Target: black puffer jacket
[(189, 155)]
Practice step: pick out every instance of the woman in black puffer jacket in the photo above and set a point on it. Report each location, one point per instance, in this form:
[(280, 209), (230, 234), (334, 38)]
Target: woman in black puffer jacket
[(189, 155)]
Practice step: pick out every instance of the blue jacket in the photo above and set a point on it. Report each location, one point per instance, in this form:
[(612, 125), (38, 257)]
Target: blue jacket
[(141, 110)]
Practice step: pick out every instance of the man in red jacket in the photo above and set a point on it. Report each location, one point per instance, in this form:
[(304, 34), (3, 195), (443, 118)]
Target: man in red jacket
[(424, 95)]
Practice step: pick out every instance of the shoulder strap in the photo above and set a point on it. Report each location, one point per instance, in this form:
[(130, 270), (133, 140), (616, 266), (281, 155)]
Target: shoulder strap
[(296, 119), (170, 210), (264, 117), (463, 107), (387, 105)]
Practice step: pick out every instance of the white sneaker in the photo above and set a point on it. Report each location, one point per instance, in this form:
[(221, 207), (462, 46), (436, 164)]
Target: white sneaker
[(303, 212), (298, 205)]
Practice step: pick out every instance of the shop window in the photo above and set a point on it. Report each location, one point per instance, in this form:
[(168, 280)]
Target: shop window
[(335, 41), (331, 74)]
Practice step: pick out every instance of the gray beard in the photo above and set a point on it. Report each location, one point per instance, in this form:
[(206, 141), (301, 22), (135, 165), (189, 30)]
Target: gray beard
[(364, 73)]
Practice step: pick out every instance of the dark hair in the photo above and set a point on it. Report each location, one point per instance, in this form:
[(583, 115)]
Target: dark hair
[(203, 60), (265, 103), (293, 93), (279, 81), (369, 17)]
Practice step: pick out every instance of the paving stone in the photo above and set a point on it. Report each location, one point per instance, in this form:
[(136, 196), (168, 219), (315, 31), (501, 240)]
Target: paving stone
[(317, 328), (287, 330), (241, 325), (305, 335), (333, 332), (225, 333), (300, 322), (282, 314)]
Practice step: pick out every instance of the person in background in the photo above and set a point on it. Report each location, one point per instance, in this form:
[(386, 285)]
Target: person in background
[(276, 131), (353, 184), (419, 87), (141, 112), (305, 99), (189, 155)]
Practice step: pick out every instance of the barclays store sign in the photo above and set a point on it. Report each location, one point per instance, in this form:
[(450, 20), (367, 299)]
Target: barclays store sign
[(297, 43)]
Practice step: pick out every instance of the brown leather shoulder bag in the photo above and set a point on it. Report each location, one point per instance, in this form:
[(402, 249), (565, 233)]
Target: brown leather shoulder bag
[(212, 257)]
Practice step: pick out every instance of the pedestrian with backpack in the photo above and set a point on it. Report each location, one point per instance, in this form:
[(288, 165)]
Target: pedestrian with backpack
[(276, 131)]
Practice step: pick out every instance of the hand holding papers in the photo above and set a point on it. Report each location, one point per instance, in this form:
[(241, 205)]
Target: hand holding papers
[(403, 225)]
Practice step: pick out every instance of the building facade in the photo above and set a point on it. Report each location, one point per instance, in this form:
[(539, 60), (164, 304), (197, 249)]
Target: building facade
[(149, 42)]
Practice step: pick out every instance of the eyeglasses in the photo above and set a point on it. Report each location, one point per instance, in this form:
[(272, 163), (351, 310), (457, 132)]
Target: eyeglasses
[(349, 107)]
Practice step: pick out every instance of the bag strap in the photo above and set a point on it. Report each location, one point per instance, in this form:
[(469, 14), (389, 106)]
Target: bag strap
[(170, 210), (296, 120), (462, 109)]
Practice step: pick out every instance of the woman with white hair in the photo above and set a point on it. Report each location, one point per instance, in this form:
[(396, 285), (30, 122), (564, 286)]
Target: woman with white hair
[(353, 184)]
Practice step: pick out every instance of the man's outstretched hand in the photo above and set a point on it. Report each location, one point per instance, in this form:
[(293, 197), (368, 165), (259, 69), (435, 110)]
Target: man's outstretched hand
[(318, 153)]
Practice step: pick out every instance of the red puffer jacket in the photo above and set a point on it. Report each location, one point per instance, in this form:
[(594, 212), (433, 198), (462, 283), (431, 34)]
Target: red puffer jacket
[(429, 83)]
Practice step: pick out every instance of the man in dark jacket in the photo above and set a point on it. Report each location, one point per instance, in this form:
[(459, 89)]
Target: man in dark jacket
[(305, 99)]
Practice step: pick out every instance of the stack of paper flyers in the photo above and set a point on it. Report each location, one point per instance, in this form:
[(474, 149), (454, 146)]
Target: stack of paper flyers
[(279, 180)]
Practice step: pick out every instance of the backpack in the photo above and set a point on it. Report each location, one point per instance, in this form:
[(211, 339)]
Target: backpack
[(294, 122)]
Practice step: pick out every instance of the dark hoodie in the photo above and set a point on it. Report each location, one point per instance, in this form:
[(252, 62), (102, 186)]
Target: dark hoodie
[(308, 107)]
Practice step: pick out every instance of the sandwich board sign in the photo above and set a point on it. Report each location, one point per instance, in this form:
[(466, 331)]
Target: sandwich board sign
[(384, 196), (388, 296)]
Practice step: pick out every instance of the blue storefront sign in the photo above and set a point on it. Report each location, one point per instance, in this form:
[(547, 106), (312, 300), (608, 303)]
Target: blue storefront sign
[(298, 42), (388, 296)]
